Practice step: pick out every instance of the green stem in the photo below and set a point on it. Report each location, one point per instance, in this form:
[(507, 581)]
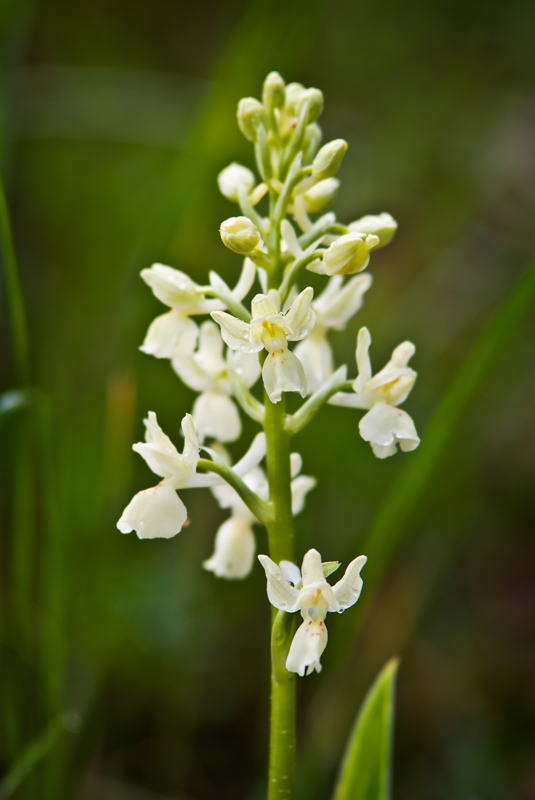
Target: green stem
[(281, 547), (282, 732), (254, 503)]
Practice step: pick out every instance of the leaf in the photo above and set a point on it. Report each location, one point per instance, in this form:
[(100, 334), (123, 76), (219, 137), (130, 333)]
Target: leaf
[(366, 768), (391, 521), (35, 751)]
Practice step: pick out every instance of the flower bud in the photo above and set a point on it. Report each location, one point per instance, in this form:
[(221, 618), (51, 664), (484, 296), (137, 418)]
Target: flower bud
[(328, 160), (341, 252), (319, 196), (274, 91), (311, 142), (382, 225), (231, 177), (293, 93), (361, 258), (240, 235), (251, 113), (314, 99)]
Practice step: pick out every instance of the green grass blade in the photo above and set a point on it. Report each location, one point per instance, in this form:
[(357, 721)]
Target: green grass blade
[(35, 752), (396, 510), (17, 314), (367, 765)]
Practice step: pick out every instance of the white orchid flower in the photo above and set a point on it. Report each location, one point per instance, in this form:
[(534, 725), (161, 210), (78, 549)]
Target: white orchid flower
[(235, 545), (384, 426), (214, 413), (269, 328), (334, 308), (311, 595), (159, 511), (174, 332)]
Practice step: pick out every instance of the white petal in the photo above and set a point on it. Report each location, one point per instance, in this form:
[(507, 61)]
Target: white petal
[(349, 400), (383, 451), (169, 334), (316, 356), (153, 513), (301, 317), (290, 238), (216, 415), (235, 332), (233, 551), (280, 593), (291, 572), (283, 372), (337, 304), (385, 425), (312, 569), (253, 456), (296, 463), (348, 588), (363, 359), (301, 486), (246, 365), (265, 305), (307, 647), (172, 287), (159, 452), (191, 373)]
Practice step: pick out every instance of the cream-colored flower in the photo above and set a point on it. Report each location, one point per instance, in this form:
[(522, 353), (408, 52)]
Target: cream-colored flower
[(311, 595), (235, 546), (334, 308), (272, 330), (384, 426), (174, 332), (205, 371)]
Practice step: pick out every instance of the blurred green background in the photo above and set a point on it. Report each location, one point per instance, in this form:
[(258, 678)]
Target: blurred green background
[(115, 119)]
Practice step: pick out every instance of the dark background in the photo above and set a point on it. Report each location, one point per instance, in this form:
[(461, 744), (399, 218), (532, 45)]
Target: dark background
[(116, 118)]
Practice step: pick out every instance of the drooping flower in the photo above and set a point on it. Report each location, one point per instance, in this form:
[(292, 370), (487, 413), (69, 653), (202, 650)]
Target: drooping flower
[(174, 332), (269, 328), (334, 308), (205, 371), (384, 426), (159, 511), (235, 542), (311, 595)]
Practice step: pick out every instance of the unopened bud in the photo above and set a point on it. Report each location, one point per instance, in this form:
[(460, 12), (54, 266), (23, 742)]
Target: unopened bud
[(319, 196), (314, 99), (328, 160), (230, 179), (293, 93), (240, 235), (382, 225), (251, 113), (341, 252), (361, 258), (274, 91), (311, 142)]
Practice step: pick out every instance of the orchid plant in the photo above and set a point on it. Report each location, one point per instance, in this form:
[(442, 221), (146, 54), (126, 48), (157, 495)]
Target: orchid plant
[(280, 247)]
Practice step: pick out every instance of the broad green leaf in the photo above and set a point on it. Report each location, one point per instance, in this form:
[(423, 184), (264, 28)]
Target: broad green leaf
[(367, 765)]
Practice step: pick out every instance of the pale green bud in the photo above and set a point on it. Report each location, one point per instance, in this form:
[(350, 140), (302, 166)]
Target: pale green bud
[(293, 93), (361, 258), (274, 91), (328, 160), (382, 225), (318, 197), (341, 252), (311, 142), (314, 99), (240, 235), (231, 177), (251, 113)]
